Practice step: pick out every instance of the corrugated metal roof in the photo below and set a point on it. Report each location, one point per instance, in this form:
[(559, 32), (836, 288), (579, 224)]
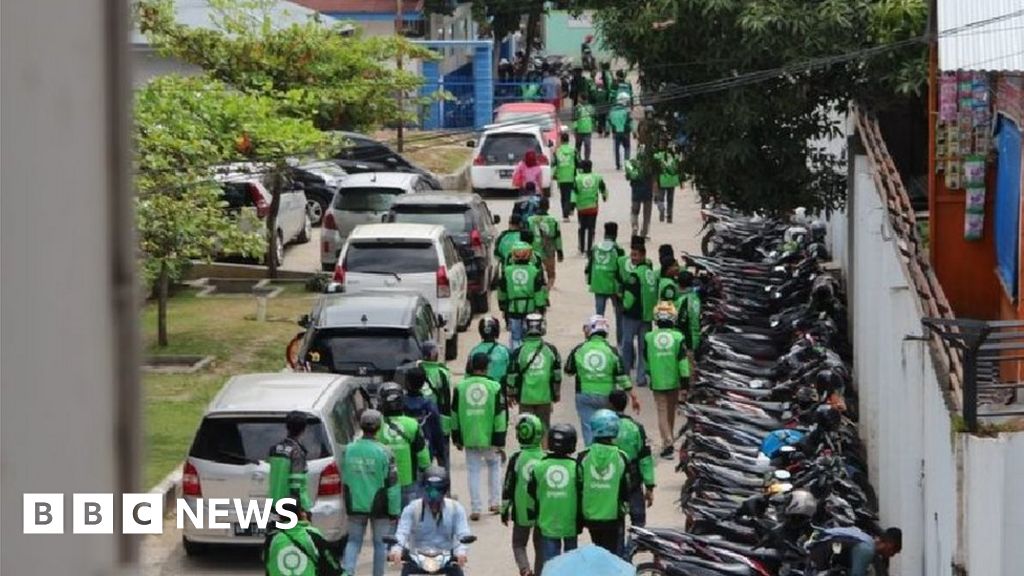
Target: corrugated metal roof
[(362, 6), (981, 35), (199, 14)]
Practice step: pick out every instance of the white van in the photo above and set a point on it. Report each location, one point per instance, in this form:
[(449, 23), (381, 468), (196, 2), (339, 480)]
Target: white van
[(419, 258)]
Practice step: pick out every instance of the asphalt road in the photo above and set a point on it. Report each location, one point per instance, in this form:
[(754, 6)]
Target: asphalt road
[(571, 305)]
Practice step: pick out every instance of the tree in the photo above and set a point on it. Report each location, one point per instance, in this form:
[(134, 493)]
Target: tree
[(503, 17), (183, 128), (313, 71), (749, 137)]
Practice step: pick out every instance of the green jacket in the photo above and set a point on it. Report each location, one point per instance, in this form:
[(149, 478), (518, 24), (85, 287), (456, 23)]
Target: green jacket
[(500, 355), (288, 473), (668, 176), (668, 289), (522, 289), (547, 235), (666, 358), (632, 440), (298, 551), (688, 307), (503, 245), (565, 163), (371, 479), (555, 487), (535, 375), (597, 367), (639, 289), (515, 495), (439, 389), (403, 436), (603, 267), (589, 187), (584, 116), (619, 120), (479, 413), (604, 478)]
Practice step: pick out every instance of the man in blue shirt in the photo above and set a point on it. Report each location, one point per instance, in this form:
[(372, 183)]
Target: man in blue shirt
[(433, 521), (857, 550)]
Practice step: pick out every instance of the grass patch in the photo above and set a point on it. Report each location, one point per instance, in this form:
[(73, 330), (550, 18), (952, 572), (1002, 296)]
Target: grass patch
[(224, 328), (441, 159), (439, 151)]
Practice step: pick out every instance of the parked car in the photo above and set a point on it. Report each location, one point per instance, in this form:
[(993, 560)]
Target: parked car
[(246, 188), (320, 180), (360, 153), (368, 335), (498, 152), (421, 258), (470, 224), (540, 114), (362, 199), (228, 457)]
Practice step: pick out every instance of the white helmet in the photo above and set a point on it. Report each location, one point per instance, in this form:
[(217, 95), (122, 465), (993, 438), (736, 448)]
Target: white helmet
[(802, 504), (596, 324), (794, 232)]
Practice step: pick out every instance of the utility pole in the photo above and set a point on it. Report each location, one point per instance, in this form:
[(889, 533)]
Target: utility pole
[(401, 96)]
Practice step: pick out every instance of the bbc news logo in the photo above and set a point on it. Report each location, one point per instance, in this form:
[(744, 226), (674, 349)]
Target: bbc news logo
[(143, 513)]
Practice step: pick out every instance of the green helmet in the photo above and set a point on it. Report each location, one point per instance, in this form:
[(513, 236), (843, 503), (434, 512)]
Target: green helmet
[(604, 424), (529, 430)]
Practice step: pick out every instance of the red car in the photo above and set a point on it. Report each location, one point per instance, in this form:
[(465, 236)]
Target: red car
[(539, 113)]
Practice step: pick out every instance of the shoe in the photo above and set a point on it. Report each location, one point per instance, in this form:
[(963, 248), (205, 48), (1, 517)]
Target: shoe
[(669, 219), (661, 217), (495, 510), (475, 516), (667, 452)]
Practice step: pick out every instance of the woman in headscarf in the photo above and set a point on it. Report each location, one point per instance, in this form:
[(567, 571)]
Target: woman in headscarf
[(528, 170)]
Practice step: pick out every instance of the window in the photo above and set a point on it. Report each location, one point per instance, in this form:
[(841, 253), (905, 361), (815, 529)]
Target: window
[(451, 254), (545, 120), (347, 350), (247, 439), (454, 218), (366, 199), (504, 148), (391, 257), (343, 420)]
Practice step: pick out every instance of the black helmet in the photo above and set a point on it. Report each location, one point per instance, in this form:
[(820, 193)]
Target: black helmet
[(562, 439), (295, 422), (415, 378), (827, 381), (435, 483), (535, 325), (805, 397), (489, 328), (828, 417), (370, 421), (392, 398)]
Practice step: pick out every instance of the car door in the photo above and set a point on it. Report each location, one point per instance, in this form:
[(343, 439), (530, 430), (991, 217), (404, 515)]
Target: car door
[(488, 232)]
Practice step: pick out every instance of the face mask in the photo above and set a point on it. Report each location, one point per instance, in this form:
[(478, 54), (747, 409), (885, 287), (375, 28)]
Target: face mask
[(433, 494)]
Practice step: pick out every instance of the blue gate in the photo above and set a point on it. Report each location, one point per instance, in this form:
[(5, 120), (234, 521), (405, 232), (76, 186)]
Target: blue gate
[(469, 88)]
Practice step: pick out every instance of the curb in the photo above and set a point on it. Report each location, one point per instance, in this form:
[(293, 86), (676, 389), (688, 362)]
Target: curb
[(168, 488), (458, 180)]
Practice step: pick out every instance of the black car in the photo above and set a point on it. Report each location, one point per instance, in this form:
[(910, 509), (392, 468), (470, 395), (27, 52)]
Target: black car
[(360, 153), (321, 180), (369, 334), (470, 224)]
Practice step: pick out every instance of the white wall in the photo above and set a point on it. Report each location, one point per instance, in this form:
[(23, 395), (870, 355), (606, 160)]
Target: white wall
[(67, 358), (956, 497)]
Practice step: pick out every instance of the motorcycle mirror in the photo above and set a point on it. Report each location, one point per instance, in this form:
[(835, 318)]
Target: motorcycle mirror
[(390, 540), (304, 321), (468, 539)]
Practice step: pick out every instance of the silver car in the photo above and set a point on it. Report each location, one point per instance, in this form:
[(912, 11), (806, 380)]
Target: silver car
[(228, 457), (362, 199)]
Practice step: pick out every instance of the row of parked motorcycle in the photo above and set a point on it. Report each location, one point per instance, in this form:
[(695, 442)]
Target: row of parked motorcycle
[(769, 444)]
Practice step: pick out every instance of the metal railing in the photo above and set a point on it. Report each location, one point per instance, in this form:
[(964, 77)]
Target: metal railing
[(989, 348)]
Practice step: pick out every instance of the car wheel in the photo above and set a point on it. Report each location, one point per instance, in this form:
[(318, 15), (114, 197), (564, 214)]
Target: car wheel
[(451, 347), (279, 252), (316, 208), (194, 548), (307, 231), (480, 303)]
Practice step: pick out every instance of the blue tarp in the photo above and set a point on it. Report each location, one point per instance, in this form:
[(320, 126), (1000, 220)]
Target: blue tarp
[(776, 439), (1007, 205), (589, 560)]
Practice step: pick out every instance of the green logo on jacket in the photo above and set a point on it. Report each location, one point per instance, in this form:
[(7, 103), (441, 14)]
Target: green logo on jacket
[(595, 361), (291, 561), (557, 477), (476, 394), (664, 341)]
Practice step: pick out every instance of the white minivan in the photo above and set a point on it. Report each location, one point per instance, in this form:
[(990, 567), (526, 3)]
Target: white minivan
[(419, 258), (228, 457), (499, 151)]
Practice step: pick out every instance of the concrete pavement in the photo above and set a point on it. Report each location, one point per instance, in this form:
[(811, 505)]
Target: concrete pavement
[(571, 305)]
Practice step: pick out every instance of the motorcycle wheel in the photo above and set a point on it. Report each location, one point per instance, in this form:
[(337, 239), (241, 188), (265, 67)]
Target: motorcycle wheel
[(649, 569)]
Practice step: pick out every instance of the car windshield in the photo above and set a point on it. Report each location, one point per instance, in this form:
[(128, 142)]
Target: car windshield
[(247, 439), (543, 119), (382, 257), (366, 199), (508, 148), (454, 218), (355, 350)]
